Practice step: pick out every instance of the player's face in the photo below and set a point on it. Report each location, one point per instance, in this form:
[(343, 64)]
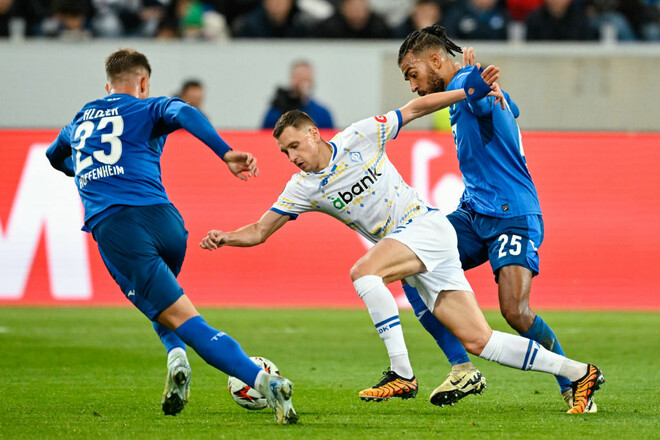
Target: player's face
[(194, 96), (301, 147), (302, 80), (422, 74)]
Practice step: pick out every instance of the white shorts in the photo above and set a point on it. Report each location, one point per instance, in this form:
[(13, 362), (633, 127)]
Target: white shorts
[(433, 239)]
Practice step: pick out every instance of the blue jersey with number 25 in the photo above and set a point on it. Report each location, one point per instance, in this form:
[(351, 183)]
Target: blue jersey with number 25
[(116, 143), (490, 156)]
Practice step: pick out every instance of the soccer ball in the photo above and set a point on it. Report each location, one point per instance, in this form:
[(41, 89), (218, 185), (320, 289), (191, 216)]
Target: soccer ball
[(245, 395)]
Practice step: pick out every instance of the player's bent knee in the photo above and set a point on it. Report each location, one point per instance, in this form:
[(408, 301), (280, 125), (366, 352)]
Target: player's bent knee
[(519, 317), (359, 270), (178, 313)]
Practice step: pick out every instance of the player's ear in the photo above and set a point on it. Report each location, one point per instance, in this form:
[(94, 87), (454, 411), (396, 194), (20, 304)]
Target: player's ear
[(107, 88), (436, 60), (314, 132), (144, 84)]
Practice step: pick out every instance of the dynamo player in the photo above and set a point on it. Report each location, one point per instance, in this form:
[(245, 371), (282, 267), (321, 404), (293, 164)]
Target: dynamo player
[(499, 216), (112, 148), (350, 178)]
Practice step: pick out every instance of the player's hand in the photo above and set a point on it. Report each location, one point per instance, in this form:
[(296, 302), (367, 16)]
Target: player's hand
[(213, 240), (240, 163), (490, 75), (469, 59), (499, 96)]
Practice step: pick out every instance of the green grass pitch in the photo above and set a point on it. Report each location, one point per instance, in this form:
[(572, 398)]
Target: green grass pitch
[(88, 373)]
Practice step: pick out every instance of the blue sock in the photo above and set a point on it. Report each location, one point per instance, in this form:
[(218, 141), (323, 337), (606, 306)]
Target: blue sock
[(169, 339), (218, 349), (541, 333), (449, 344)]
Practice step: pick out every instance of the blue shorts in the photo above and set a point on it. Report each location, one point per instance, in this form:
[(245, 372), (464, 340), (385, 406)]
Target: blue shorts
[(143, 248), (513, 241)]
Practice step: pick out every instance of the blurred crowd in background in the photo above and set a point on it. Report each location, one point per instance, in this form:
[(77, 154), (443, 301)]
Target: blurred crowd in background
[(550, 20)]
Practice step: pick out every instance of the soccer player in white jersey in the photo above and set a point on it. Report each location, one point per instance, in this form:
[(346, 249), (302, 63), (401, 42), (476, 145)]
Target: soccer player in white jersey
[(351, 179)]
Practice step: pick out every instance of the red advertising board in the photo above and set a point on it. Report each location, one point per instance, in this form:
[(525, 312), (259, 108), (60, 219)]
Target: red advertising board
[(600, 195)]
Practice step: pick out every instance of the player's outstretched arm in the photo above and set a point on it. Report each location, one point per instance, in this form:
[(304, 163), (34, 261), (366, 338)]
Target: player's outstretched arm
[(249, 235), (193, 121), (433, 102)]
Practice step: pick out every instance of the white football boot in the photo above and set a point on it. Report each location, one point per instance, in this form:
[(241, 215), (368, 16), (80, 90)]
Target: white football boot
[(177, 383), (278, 391)]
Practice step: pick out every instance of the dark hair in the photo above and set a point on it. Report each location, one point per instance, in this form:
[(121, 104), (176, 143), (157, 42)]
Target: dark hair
[(429, 37), (292, 118), (125, 61), (191, 83)]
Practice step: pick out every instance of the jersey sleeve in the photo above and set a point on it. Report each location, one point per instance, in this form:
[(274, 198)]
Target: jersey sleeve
[(292, 201), (59, 152), (379, 129), (478, 107), (175, 114), (512, 105), (163, 111)]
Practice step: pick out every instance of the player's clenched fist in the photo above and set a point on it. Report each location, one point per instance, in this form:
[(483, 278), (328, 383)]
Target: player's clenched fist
[(213, 240)]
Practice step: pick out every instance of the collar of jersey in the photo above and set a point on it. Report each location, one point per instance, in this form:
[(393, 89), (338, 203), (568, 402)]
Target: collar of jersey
[(118, 94), (334, 155)]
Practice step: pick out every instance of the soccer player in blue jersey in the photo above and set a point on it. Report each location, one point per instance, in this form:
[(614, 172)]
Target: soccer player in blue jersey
[(112, 147), (499, 216), (351, 179)]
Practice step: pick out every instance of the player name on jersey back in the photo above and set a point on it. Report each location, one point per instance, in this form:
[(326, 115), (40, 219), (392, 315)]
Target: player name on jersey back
[(93, 113)]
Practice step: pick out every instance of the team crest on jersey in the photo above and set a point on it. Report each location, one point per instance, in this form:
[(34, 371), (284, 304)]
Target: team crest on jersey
[(356, 157)]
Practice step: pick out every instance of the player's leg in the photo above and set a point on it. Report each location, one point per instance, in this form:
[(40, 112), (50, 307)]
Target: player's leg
[(470, 248), (452, 347), (459, 311), (222, 352), (515, 261), (132, 252), (132, 259), (179, 373), (387, 261), (171, 245), (464, 378), (215, 347)]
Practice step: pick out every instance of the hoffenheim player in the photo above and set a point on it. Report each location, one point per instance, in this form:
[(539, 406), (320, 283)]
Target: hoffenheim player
[(112, 148), (499, 216), (351, 179)]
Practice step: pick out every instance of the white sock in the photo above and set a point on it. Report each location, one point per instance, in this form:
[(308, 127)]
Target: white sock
[(261, 382), (385, 315), (174, 353), (525, 354)]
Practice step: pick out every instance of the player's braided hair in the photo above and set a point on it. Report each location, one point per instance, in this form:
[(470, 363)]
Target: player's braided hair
[(428, 37)]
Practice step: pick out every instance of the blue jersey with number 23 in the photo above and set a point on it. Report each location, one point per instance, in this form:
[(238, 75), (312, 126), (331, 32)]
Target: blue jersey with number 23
[(115, 144)]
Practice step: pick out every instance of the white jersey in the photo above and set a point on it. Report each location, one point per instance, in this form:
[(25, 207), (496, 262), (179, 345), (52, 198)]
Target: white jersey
[(360, 186)]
